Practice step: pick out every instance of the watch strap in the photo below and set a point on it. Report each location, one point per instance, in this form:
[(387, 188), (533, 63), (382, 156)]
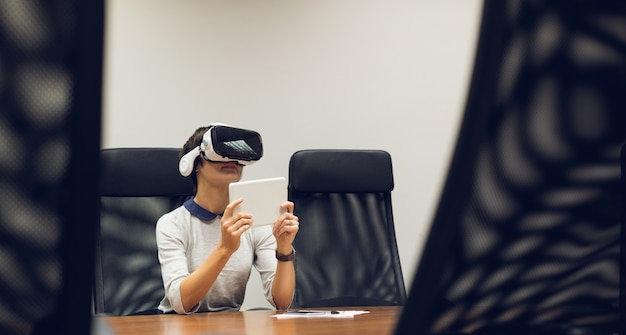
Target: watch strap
[(286, 258)]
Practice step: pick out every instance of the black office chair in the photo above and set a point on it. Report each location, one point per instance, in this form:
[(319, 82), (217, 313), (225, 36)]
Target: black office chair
[(138, 185), (526, 236), (346, 247)]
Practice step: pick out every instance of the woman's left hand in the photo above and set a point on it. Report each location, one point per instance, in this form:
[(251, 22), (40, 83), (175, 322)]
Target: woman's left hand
[(285, 228)]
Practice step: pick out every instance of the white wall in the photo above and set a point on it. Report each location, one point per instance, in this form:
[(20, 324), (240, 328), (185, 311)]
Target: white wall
[(369, 74)]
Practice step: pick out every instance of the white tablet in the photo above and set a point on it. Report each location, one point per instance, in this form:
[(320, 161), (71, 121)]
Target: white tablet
[(261, 198)]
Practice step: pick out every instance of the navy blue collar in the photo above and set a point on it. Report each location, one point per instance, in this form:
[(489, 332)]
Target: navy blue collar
[(198, 211)]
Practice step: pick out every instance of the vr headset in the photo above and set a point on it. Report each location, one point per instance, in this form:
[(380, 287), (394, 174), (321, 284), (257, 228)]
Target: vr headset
[(222, 143)]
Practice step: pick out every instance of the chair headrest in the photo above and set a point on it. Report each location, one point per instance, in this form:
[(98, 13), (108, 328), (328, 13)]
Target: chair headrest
[(142, 172), (340, 171)]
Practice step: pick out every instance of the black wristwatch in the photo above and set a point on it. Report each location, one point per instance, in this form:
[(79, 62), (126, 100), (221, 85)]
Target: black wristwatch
[(286, 258)]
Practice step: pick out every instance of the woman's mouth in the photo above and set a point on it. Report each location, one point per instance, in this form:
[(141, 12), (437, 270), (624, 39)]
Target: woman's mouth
[(230, 165)]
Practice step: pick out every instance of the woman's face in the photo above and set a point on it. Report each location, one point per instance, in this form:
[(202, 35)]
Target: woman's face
[(219, 173)]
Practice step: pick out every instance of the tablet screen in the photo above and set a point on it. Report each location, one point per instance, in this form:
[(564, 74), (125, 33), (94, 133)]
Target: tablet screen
[(261, 198)]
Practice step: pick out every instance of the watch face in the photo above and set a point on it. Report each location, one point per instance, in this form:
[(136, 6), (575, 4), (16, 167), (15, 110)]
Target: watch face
[(236, 143)]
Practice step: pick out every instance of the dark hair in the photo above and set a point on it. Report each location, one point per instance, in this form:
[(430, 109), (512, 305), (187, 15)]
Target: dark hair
[(193, 142)]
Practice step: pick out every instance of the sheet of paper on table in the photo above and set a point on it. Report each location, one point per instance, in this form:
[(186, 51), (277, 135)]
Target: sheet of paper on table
[(317, 314)]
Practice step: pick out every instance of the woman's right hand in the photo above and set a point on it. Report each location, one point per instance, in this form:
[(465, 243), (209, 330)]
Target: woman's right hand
[(233, 226)]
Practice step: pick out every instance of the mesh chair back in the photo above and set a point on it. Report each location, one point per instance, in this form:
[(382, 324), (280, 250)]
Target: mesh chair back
[(138, 185), (346, 247), (50, 106), (526, 237)]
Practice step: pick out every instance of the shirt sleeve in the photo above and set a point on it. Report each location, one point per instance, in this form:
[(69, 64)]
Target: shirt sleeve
[(265, 259), (171, 243)]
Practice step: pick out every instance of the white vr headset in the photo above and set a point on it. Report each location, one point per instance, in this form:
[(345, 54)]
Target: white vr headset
[(222, 143)]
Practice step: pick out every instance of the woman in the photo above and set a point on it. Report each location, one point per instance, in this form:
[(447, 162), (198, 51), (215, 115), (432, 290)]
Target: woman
[(207, 253)]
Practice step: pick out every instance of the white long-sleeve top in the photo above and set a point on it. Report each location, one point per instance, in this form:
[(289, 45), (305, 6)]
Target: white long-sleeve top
[(187, 235)]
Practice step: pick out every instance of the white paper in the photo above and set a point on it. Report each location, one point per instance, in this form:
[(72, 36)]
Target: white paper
[(318, 314)]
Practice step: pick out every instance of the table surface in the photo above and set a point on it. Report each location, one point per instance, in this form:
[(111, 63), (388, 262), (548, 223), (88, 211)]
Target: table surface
[(379, 321)]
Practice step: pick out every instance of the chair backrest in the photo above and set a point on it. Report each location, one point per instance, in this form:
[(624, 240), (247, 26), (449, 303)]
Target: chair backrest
[(526, 236), (50, 111), (346, 247), (138, 185)]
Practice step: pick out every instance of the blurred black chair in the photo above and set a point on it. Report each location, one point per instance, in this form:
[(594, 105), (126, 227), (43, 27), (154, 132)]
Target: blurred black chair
[(526, 237), (346, 247), (138, 185), (50, 110)]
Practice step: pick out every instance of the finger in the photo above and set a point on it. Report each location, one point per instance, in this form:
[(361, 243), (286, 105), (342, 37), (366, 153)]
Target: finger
[(287, 206), (279, 226), (242, 222), (233, 222), (244, 227), (228, 212), (287, 216), (289, 221), (289, 226), (294, 223)]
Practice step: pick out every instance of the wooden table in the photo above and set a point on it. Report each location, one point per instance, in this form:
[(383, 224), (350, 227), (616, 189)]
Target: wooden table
[(380, 321)]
